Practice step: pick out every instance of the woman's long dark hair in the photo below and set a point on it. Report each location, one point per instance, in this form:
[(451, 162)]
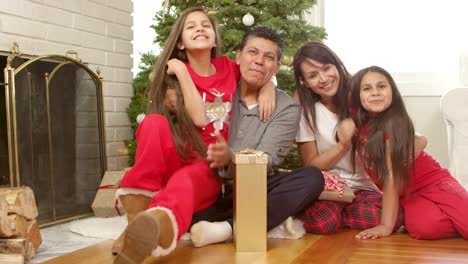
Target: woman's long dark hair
[(394, 122), (186, 135), (323, 54)]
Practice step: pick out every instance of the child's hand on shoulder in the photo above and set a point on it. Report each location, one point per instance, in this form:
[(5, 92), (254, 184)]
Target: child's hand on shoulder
[(375, 232), (266, 101), (171, 100)]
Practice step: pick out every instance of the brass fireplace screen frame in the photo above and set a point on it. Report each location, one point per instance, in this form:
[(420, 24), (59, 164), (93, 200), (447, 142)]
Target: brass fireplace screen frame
[(11, 110)]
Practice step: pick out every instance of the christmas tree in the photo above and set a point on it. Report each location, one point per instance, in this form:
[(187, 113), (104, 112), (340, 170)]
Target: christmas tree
[(235, 19)]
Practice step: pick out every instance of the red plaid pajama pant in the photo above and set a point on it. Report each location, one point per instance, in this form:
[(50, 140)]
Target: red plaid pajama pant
[(327, 217)]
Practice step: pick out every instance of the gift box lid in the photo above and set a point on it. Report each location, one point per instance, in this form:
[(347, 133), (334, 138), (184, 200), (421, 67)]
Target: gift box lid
[(250, 156)]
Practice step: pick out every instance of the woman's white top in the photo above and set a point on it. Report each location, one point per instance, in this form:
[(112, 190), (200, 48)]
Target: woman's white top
[(325, 139)]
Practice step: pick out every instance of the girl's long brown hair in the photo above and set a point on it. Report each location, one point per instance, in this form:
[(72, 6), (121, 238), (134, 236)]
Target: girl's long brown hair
[(394, 122), (186, 135), (323, 54)]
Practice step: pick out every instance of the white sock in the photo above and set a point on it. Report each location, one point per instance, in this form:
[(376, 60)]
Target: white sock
[(289, 229), (204, 233)]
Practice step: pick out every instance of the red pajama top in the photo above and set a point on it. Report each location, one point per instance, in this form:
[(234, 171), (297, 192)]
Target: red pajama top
[(426, 171), (217, 91)]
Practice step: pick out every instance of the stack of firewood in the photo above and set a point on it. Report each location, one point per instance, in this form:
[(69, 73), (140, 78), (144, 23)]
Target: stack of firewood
[(19, 232)]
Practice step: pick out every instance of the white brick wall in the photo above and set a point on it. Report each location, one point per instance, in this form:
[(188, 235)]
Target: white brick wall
[(100, 31)]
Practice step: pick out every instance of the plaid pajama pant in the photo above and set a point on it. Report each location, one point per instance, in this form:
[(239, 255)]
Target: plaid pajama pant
[(328, 217)]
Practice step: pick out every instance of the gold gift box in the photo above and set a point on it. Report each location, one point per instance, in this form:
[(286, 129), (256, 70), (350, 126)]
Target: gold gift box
[(104, 204), (347, 195), (250, 201)]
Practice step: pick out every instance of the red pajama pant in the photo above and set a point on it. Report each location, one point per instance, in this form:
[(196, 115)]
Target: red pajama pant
[(328, 217), (184, 188), (439, 210)]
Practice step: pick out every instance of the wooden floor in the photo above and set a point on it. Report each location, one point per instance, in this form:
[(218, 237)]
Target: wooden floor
[(339, 248)]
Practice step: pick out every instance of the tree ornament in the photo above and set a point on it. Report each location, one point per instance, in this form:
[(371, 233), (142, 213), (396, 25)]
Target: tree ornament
[(140, 118), (248, 19)]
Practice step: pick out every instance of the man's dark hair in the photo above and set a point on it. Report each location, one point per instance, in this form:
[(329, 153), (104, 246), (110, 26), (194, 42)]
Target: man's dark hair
[(266, 33)]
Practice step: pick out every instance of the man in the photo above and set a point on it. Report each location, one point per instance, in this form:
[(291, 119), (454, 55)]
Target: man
[(288, 193)]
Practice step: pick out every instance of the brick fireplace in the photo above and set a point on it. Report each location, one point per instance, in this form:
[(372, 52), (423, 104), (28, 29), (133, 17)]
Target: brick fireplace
[(100, 33)]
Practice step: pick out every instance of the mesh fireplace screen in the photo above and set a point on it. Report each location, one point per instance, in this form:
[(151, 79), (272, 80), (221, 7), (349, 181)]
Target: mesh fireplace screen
[(54, 116)]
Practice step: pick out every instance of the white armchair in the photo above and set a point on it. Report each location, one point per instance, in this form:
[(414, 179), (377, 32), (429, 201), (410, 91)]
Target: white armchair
[(454, 107)]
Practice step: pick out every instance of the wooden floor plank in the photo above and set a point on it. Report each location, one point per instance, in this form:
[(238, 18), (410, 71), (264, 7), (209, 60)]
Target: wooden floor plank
[(402, 249), (96, 254), (330, 249), (339, 248)]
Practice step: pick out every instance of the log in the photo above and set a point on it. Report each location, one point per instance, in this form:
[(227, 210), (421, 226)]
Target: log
[(11, 259), (13, 245), (20, 201), (19, 231), (5, 230), (27, 245), (17, 246), (13, 225), (17, 206), (33, 234)]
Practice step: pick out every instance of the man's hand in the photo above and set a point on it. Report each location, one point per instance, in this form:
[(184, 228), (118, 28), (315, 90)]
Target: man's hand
[(171, 100), (375, 232), (219, 154), (345, 132)]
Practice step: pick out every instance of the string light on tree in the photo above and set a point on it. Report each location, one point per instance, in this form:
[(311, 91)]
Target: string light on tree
[(248, 19)]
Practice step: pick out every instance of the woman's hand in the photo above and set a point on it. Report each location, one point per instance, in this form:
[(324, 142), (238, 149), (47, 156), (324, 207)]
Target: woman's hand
[(345, 132), (375, 232)]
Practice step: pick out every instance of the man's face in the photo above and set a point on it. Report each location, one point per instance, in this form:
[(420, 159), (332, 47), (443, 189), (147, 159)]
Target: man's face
[(258, 61)]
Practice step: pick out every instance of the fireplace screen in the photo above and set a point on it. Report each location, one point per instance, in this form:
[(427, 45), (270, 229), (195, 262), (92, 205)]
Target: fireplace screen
[(52, 135)]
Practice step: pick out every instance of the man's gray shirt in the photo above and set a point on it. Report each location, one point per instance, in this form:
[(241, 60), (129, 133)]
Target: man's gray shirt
[(275, 137)]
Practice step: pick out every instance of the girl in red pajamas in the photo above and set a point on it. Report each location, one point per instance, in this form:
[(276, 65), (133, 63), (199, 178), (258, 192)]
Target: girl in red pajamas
[(435, 204), (171, 178)]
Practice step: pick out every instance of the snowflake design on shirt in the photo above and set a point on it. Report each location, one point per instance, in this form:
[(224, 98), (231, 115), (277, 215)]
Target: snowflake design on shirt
[(217, 111)]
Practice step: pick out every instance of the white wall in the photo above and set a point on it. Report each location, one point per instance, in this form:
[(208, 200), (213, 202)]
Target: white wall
[(428, 120), (420, 42), (100, 31)]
